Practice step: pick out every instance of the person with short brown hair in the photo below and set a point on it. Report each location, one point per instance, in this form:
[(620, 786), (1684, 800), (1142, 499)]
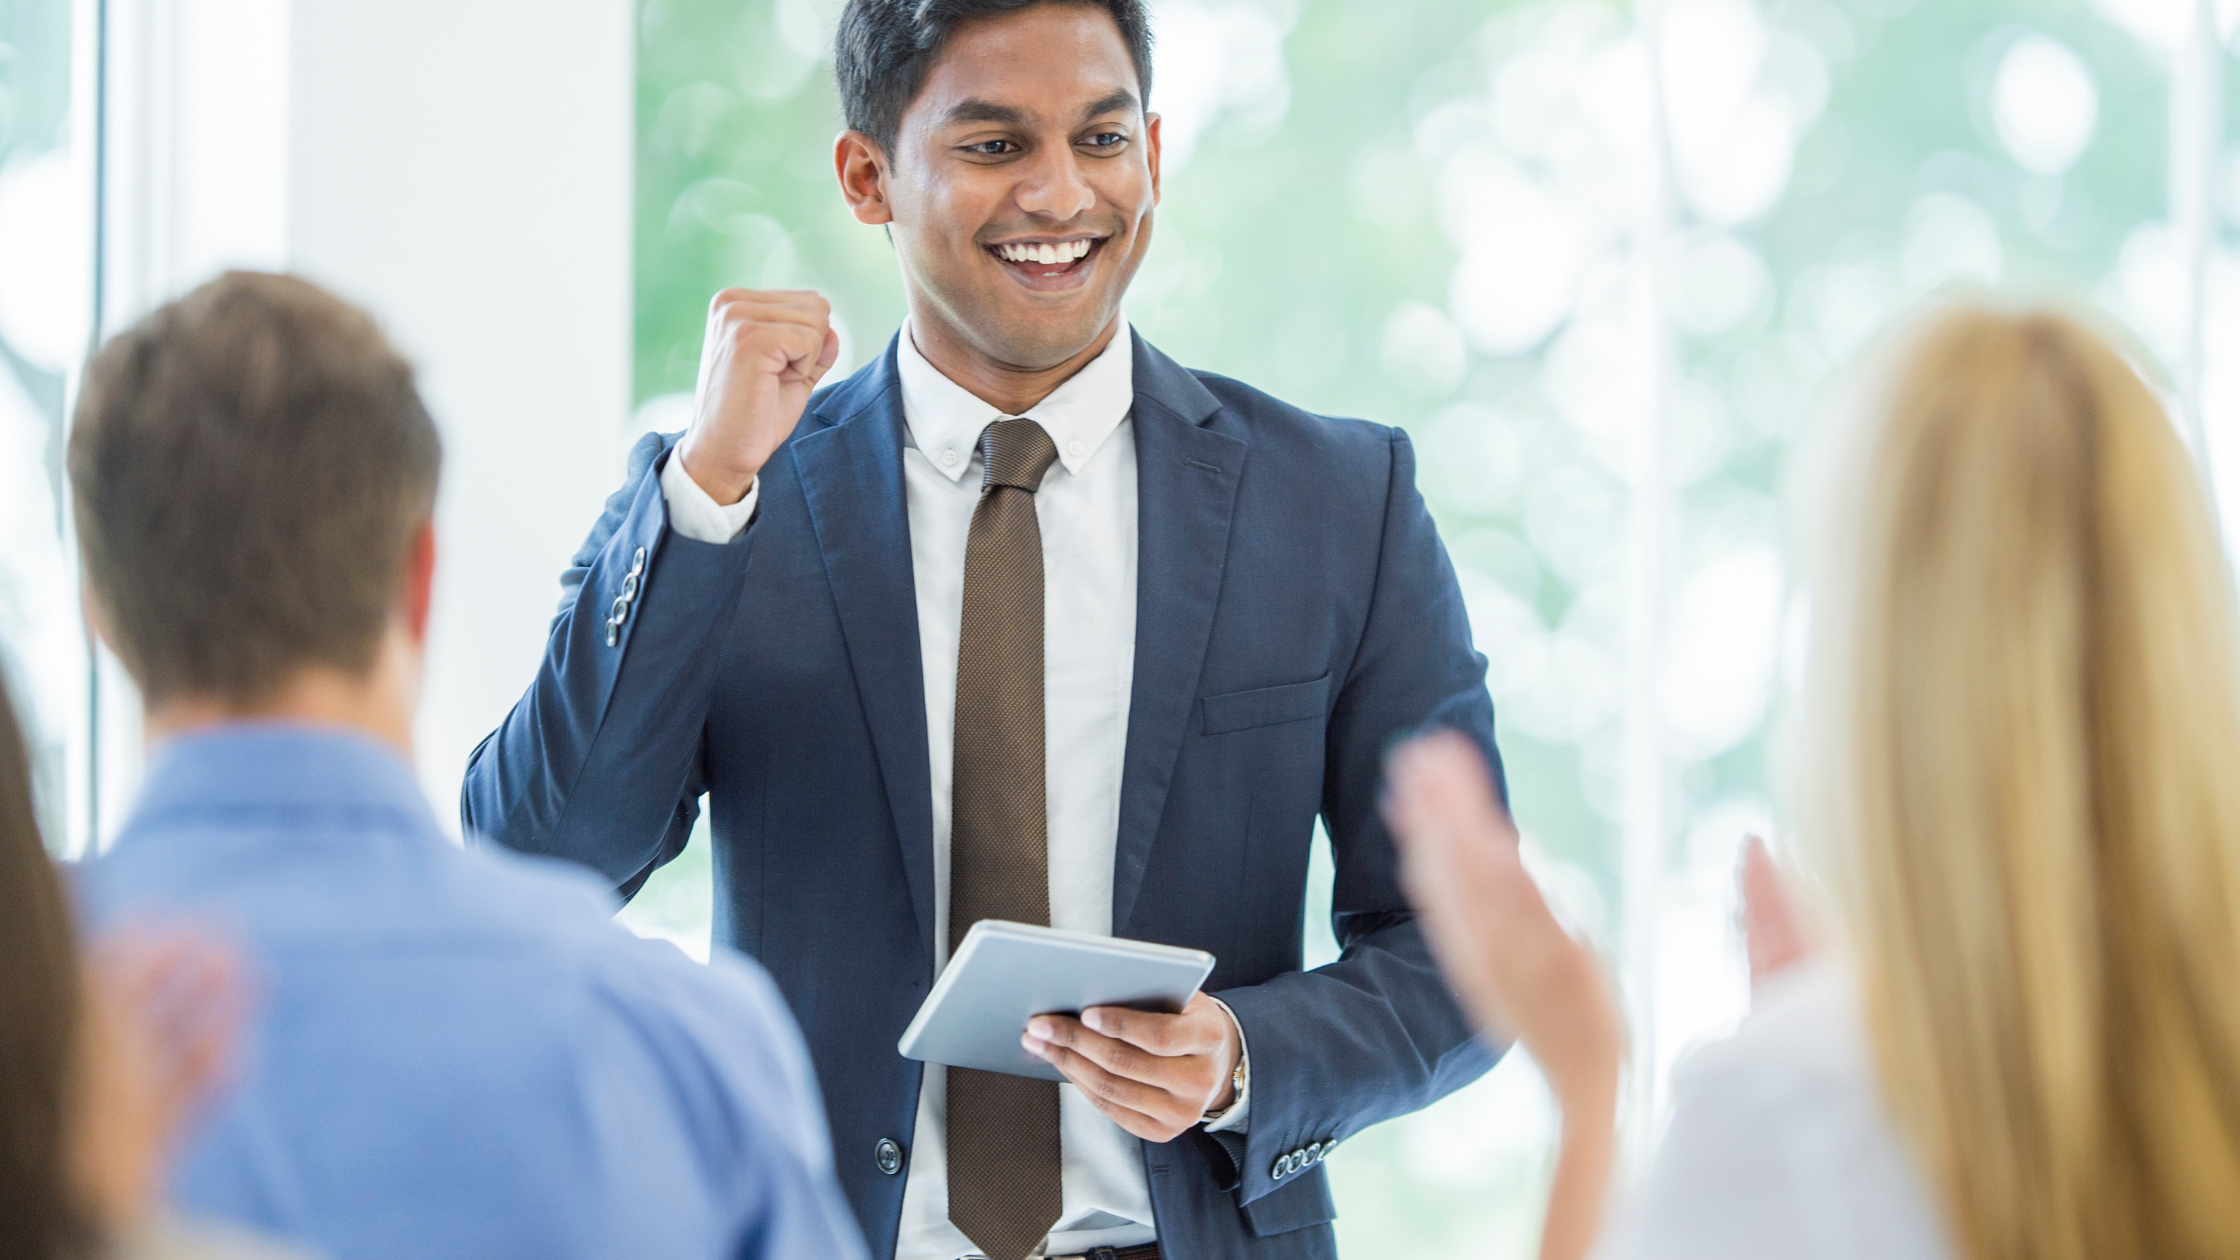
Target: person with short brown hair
[(252, 468), (456, 1055)]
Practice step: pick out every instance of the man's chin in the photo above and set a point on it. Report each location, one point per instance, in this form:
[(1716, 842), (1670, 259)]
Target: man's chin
[(1037, 341)]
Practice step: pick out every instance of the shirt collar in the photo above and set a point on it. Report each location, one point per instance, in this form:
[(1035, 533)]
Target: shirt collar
[(945, 419), (283, 764)]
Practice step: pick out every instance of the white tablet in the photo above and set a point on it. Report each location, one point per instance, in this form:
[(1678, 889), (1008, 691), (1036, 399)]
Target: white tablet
[(1005, 974)]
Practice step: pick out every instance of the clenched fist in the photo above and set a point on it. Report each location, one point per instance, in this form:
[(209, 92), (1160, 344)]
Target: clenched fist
[(764, 352)]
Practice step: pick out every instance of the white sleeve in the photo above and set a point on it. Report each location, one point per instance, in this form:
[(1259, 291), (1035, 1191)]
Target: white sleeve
[(1778, 1148), (695, 514)]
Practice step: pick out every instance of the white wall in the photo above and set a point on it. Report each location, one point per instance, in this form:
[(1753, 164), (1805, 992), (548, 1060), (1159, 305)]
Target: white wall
[(464, 169)]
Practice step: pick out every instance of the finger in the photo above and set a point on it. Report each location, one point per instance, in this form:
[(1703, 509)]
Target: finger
[(1096, 1083), (799, 306), (1440, 778), (807, 299), (1149, 1128), (187, 1000), (791, 349), (1117, 1057), (1169, 1036), (831, 353), (1458, 852), (1772, 929)]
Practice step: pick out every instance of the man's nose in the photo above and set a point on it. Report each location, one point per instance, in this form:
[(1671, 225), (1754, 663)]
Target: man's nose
[(1054, 187)]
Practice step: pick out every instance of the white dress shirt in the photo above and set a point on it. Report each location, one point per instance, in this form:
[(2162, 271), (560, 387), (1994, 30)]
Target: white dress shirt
[(1087, 512), (1779, 1147)]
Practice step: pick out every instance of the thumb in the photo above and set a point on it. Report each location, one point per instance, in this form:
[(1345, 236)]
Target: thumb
[(826, 357), (1773, 928)]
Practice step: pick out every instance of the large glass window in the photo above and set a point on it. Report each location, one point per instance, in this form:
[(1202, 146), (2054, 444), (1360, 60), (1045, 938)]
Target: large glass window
[(45, 288), (1602, 262)]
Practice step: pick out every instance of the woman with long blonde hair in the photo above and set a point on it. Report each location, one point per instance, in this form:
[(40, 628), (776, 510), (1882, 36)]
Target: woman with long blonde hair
[(2021, 792)]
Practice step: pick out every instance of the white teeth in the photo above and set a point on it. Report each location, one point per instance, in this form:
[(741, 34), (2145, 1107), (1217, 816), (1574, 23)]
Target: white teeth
[(1047, 255)]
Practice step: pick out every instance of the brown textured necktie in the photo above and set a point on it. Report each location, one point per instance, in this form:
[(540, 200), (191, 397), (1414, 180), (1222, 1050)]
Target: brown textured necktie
[(1004, 1188)]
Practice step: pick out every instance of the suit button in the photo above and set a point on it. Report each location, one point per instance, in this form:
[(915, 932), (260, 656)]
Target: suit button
[(1276, 1173), (889, 1155), (638, 562)]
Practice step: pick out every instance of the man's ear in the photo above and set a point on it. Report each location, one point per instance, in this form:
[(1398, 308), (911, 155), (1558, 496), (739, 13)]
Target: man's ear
[(862, 167), (1151, 152), (420, 582)]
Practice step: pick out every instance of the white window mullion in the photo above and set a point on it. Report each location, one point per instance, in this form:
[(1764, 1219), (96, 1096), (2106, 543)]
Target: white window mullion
[(1648, 557), (2195, 134)]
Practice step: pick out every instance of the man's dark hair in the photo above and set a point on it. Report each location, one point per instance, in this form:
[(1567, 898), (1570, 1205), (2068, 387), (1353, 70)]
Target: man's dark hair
[(885, 48), (250, 465)]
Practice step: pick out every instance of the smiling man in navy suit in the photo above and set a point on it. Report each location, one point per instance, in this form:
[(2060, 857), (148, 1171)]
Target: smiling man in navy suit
[(1021, 621)]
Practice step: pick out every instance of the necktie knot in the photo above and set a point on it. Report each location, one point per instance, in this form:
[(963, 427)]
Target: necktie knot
[(1015, 453)]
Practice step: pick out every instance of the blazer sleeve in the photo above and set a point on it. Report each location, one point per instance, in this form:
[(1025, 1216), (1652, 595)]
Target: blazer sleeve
[(602, 761), (1375, 1034)]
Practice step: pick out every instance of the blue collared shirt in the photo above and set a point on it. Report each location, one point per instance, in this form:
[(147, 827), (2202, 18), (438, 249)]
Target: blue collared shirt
[(458, 1054)]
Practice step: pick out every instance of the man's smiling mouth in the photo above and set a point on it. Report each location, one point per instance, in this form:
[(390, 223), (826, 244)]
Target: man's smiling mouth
[(1044, 259)]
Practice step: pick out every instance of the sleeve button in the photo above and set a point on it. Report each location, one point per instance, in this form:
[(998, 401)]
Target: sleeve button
[(638, 562)]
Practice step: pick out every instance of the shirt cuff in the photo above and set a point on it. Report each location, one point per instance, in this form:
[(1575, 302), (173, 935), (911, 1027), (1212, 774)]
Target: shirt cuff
[(694, 513), (1239, 1113)]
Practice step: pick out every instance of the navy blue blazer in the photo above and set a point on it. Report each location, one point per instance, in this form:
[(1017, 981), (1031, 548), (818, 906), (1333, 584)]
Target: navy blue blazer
[(1295, 613)]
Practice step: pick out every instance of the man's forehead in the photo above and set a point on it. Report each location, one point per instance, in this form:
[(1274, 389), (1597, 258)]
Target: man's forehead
[(1052, 64)]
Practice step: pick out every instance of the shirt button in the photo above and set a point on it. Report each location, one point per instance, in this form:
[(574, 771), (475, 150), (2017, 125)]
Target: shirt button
[(1076, 447), (949, 457), (889, 1155)]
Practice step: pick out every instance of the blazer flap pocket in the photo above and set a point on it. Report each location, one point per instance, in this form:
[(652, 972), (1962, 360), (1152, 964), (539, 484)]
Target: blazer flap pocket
[(1266, 706)]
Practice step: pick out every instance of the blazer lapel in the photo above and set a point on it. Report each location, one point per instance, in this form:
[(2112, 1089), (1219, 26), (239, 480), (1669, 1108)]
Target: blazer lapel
[(851, 476), (1186, 492)]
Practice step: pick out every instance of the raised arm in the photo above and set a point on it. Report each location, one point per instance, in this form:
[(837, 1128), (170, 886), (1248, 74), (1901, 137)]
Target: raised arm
[(601, 761), (1515, 967)]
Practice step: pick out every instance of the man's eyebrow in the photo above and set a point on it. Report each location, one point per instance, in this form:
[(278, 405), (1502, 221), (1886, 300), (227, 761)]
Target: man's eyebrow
[(975, 109), (1117, 99)]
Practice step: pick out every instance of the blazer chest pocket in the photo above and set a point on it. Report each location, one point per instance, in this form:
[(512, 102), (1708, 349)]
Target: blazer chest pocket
[(1265, 706)]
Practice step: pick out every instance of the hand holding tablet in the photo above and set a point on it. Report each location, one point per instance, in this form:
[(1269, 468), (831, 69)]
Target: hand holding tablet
[(1122, 1021), (1005, 974)]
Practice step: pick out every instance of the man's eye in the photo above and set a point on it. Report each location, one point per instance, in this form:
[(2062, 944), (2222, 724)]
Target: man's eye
[(991, 148), (1108, 140)]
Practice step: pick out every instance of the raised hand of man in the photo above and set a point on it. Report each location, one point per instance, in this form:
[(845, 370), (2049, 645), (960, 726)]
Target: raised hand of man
[(763, 354)]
